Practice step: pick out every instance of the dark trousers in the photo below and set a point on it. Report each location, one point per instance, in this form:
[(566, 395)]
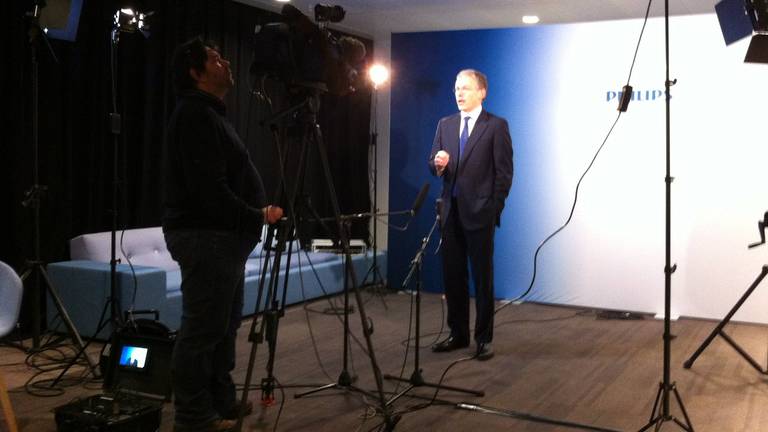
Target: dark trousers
[(462, 249), (212, 277)]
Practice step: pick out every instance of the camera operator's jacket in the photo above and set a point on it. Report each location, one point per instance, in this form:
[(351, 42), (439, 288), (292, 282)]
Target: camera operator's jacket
[(210, 180)]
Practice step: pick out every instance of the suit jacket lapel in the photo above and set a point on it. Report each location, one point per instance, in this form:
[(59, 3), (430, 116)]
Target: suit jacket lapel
[(452, 131), (480, 125)]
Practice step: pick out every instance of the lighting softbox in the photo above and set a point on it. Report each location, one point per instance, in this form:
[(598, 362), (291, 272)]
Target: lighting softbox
[(60, 19)]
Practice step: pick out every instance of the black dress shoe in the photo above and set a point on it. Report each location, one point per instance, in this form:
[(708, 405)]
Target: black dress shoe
[(484, 351), (449, 344)]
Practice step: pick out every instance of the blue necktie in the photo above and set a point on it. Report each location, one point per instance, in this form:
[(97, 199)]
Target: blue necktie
[(464, 136), (462, 143)]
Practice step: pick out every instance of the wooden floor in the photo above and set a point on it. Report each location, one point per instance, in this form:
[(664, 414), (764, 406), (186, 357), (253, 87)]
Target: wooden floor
[(551, 363)]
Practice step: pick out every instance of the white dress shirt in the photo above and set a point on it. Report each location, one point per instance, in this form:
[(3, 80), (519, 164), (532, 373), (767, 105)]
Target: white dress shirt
[(473, 115)]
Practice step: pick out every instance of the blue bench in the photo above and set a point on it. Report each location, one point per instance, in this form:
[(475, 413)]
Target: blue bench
[(84, 282)]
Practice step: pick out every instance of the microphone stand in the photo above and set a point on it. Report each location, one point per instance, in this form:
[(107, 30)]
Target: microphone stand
[(345, 380), (416, 379)]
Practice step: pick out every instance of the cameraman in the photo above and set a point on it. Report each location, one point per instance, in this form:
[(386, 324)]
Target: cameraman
[(215, 207)]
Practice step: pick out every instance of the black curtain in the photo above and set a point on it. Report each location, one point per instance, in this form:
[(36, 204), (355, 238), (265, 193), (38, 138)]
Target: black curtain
[(76, 146)]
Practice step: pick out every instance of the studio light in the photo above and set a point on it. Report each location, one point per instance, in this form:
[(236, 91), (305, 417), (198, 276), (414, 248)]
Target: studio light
[(378, 74), (741, 18), (129, 21)]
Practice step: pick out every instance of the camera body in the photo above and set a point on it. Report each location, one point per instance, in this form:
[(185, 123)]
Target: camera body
[(299, 52)]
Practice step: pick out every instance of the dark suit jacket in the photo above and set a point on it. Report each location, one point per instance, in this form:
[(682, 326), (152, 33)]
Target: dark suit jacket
[(484, 172)]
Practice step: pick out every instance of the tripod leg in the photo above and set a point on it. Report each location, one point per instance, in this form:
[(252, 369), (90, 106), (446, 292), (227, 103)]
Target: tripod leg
[(67, 320), (687, 426), (656, 417), (35, 303), (81, 351), (743, 353), (718, 330)]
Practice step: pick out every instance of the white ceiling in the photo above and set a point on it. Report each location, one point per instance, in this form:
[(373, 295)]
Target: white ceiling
[(381, 17)]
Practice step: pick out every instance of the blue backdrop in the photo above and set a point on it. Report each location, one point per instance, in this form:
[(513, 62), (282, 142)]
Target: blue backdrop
[(425, 67)]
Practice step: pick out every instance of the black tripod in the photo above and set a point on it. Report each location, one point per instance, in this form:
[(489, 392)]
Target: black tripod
[(719, 329), (307, 112), (32, 199), (416, 379), (661, 413), (281, 233)]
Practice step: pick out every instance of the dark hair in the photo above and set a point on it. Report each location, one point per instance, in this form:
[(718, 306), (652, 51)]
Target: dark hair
[(482, 80), (189, 55)]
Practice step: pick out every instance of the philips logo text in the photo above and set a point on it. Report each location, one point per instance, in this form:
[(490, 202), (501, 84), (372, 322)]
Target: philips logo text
[(637, 95)]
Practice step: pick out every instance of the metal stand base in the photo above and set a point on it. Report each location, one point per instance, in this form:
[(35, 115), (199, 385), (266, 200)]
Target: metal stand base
[(39, 267), (344, 383), (658, 418), (416, 380)]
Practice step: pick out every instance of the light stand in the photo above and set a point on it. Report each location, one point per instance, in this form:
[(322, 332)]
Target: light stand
[(128, 21), (661, 413), (378, 75), (125, 21), (416, 379), (32, 199)]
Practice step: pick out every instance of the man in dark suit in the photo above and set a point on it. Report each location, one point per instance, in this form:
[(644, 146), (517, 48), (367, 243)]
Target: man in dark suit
[(472, 152)]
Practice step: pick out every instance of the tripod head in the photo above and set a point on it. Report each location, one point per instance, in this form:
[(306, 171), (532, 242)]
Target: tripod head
[(761, 225)]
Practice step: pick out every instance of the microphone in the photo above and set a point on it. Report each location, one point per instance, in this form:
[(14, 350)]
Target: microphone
[(420, 199), (439, 207)]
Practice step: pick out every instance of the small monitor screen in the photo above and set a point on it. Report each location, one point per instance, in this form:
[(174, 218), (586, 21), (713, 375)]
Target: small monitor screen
[(134, 357)]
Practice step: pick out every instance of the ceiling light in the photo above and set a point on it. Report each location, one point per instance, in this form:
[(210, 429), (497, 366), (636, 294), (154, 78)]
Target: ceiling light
[(530, 19)]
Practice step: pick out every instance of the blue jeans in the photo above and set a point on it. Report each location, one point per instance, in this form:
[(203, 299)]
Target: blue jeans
[(212, 277)]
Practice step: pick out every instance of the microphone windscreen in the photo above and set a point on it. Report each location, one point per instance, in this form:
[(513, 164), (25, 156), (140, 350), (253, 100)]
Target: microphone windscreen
[(420, 199)]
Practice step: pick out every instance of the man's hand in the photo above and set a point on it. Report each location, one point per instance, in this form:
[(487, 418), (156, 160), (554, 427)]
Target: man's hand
[(272, 214), (441, 161)]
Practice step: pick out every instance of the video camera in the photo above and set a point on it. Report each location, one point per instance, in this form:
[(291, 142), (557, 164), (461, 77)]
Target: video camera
[(301, 53)]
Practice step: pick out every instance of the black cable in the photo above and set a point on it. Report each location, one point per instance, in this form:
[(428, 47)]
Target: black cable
[(327, 298), (309, 324), (407, 345), (562, 227), (133, 274), (282, 402), (637, 47), (578, 184)]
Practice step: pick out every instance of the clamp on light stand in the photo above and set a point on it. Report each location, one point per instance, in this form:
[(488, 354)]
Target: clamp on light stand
[(761, 228)]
